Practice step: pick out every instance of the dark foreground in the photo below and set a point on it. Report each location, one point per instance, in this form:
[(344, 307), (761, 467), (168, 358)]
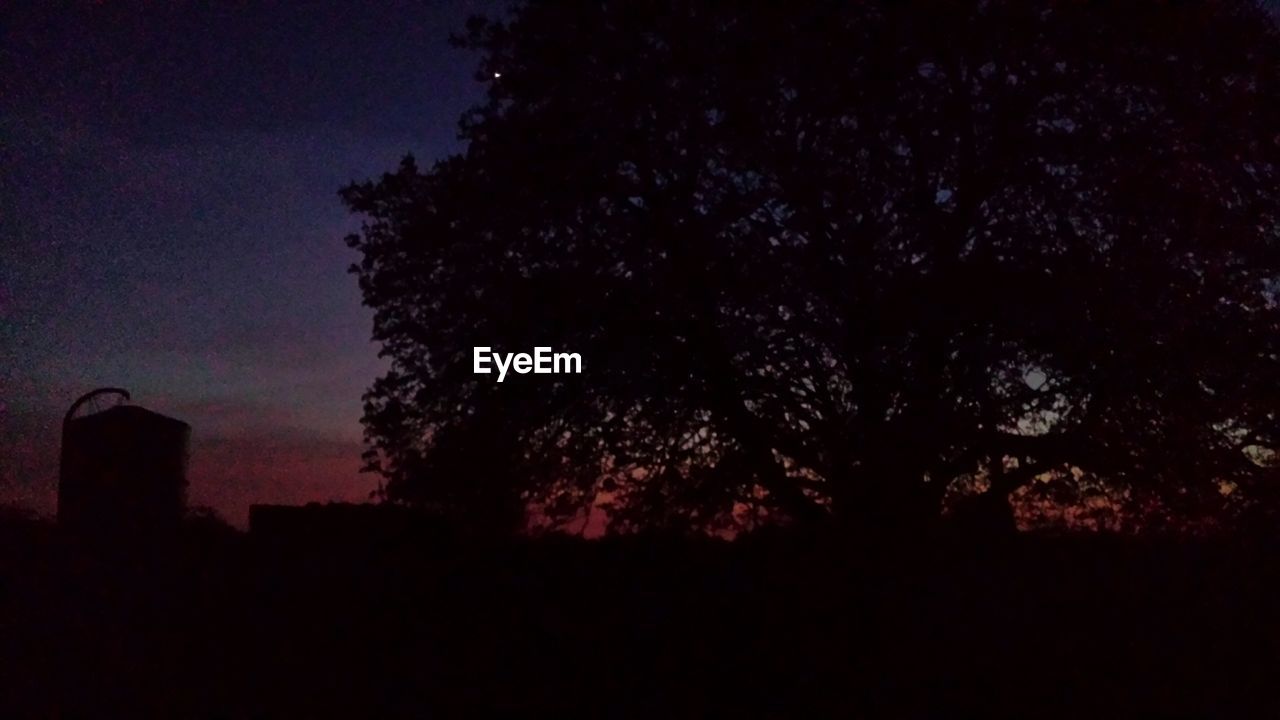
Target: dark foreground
[(227, 625)]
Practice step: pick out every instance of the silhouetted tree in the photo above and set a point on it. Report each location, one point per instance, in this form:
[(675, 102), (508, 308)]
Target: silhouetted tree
[(828, 258), (203, 521)]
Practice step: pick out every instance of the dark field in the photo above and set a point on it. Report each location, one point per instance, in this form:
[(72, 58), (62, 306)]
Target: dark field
[(231, 625)]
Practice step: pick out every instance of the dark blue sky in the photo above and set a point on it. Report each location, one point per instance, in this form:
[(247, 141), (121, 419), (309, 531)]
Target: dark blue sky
[(169, 223)]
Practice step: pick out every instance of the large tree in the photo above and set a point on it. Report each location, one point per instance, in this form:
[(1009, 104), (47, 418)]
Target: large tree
[(826, 259)]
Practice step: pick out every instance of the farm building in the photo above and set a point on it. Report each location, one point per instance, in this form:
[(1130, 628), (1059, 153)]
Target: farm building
[(124, 468)]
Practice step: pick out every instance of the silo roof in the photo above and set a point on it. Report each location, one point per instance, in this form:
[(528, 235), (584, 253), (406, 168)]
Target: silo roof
[(131, 414)]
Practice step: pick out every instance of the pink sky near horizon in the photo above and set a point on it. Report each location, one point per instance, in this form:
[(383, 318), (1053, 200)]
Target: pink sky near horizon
[(228, 470)]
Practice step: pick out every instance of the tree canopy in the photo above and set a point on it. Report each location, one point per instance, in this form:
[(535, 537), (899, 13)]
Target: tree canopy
[(827, 259)]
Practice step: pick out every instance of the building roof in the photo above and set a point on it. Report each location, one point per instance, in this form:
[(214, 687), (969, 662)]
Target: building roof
[(130, 415)]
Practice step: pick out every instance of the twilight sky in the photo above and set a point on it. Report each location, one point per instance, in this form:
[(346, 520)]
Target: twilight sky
[(169, 223)]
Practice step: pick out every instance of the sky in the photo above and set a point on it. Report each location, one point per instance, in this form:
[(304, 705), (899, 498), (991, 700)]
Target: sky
[(169, 223)]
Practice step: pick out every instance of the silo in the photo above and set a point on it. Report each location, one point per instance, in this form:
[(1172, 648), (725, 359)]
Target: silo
[(124, 468)]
